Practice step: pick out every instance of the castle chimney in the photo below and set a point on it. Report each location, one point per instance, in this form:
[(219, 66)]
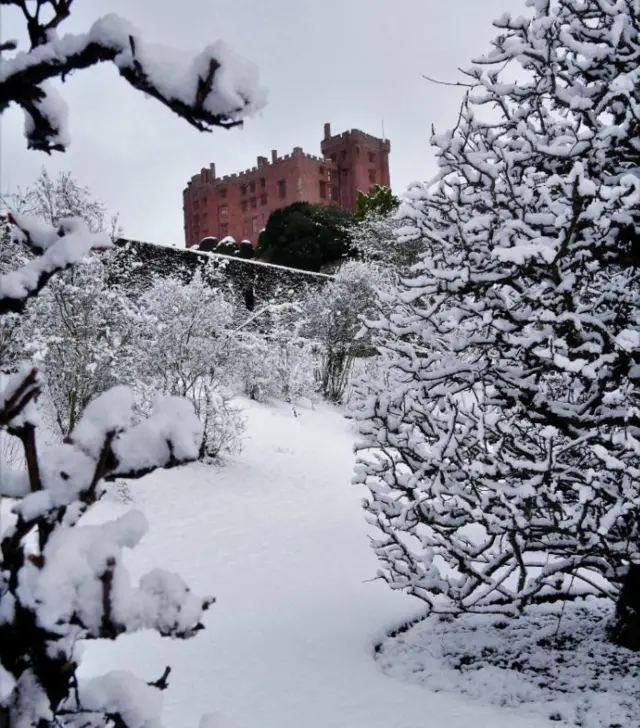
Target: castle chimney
[(262, 162), (327, 130), (274, 156), (298, 150), (212, 168)]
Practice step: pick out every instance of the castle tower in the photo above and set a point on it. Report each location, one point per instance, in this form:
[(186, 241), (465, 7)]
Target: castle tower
[(361, 161)]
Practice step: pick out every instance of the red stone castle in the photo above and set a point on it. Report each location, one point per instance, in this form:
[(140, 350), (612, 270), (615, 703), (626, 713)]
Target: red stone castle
[(239, 205)]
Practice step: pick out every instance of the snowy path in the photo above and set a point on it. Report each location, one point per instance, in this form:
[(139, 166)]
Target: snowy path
[(279, 537)]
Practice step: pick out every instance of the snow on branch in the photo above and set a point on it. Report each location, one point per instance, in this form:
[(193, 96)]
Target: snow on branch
[(70, 584), (58, 247), (501, 444), (214, 88), (62, 583)]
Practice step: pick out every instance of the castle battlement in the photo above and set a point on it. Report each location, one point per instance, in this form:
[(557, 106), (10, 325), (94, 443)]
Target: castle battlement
[(199, 180)]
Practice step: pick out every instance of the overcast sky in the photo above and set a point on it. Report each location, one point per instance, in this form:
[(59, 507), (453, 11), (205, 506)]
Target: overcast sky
[(355, 63)]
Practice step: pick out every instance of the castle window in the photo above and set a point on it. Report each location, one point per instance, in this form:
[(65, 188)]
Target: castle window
[(255, 224), (263, 199), (372, 175), (372, 158), (263, 182), (282, 188), (244, 205), (321, 171), (222, 192), (334, 158), (252, 187), (343, 154), (329, 175), (224, 211), (243, 189), (323, 189), (254, 203), (224, 229), (334, 193)]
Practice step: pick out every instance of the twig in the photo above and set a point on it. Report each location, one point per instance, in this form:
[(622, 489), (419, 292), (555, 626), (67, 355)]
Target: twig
[(162, 683), (447, 83)]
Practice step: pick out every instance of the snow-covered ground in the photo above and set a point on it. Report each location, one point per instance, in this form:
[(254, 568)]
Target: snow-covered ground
[(278, 536)]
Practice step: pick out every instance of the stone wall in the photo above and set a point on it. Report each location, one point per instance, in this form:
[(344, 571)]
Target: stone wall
[(251, 283)]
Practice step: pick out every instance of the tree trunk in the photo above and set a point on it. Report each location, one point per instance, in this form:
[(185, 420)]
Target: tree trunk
[(625, 630)]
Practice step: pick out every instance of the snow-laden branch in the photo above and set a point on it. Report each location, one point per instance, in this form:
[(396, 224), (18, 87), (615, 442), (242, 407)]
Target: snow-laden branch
[(214, 88), (501, 446), (74, 585), (58, 248)]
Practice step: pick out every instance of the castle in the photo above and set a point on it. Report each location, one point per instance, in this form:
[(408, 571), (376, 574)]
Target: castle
[(239, 205)]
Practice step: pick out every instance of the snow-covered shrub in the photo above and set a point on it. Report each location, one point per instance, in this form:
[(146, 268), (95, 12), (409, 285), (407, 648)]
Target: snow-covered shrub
[(223, 422), (335, 323), (504, 463), (272, 358), (84, 332), (293, 356), (62, 583), (186, 332), (253, 364)]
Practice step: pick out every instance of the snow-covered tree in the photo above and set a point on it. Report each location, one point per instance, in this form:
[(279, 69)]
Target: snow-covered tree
[(294, 357), (379, 241), (62, 582), (52, 200), (275, 359), (381, 201), (504, 463), (187, 327), (335, 323), (85, 334)]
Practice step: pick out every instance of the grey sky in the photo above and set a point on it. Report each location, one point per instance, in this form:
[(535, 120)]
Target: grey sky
[(351, 62)]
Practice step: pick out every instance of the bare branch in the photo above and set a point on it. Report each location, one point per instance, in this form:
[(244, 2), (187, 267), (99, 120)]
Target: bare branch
[(447, 83), (162, 683)]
